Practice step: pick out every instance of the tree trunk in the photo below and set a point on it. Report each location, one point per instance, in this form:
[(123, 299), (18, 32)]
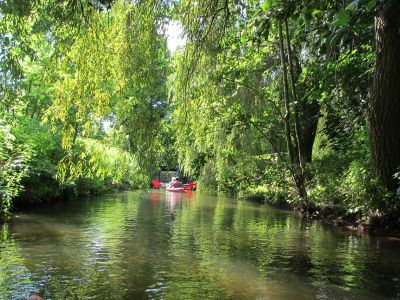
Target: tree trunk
[(310, 115), (384, 106), (299, 139), (286, 97), (298, 178), (308, 111)]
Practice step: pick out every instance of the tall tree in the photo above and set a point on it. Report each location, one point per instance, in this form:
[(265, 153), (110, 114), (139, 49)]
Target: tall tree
[(384, 106)]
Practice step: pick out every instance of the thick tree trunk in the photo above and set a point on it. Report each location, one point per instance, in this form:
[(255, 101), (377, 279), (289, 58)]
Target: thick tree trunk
[(310, 115), (384, 106)]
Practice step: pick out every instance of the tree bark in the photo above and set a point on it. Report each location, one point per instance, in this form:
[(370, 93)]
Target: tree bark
[(308, 111), (286, 97), (298, 177), (310, 115), (384, 106), (299, 139)]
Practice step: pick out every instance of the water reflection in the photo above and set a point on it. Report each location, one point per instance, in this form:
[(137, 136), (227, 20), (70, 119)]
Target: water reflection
[(159, 245)]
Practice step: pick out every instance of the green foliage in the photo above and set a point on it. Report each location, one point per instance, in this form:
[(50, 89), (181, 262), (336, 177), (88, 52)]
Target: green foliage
[(85, 98), (14, 159), (44, 154), (228, 101), (33, 165), (114, 72), (94, 161), (71, 70)]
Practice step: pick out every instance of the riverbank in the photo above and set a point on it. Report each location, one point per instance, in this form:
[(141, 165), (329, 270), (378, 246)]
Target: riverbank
[(373, 222), (38, 196)]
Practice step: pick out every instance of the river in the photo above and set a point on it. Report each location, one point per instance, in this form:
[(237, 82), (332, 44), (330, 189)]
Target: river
[(159, 245)]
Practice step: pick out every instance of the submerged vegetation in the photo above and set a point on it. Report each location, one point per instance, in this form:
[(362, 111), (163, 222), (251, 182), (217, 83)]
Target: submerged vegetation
[(287, 101)]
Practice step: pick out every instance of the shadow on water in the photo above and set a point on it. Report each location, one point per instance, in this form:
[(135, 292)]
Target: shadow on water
[(160, 245)]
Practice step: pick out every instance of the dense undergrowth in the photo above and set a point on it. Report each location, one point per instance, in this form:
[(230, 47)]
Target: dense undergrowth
[(340, 184), (36, 169)]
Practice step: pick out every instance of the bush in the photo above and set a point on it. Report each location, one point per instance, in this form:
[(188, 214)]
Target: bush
[(95, 167), (40, 183), (14, 159), (34, 168)]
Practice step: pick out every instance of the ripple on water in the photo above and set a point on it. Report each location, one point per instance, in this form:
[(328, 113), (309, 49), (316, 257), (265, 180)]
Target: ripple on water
[(155, 245)]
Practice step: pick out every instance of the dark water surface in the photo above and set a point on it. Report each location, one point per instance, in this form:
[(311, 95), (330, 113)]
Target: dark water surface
[(155, 245)]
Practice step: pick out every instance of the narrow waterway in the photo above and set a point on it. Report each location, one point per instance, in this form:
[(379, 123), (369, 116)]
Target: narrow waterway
[(159, 245)]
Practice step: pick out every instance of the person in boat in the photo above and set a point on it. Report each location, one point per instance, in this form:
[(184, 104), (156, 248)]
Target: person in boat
[(35, 297), (175, 183), (32, 296)]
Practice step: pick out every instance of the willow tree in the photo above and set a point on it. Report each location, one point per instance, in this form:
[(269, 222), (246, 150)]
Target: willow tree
[(218, 96), (79, 66), (232, 59), (114, 72)]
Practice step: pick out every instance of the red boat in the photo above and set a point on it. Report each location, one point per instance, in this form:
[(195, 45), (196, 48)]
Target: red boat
[(190, 187), (186, 187), (175, 189), (155, 184)]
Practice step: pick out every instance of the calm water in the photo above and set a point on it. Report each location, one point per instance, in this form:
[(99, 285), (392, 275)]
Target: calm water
[(154, 245)]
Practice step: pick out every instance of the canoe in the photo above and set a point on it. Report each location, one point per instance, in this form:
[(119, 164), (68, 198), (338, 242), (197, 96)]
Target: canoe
[(156, 184), (175, 189), (187, 187)]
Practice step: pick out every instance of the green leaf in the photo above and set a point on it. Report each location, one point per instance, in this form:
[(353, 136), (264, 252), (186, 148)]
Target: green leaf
[(341, 19), (264, 6), (352, 6), (316, 12), (371, 5)]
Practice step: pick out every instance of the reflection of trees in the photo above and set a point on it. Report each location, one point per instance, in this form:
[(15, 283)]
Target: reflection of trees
[(12, 270), (102, 248), (127, 247), (242, 247), (210, 238)]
